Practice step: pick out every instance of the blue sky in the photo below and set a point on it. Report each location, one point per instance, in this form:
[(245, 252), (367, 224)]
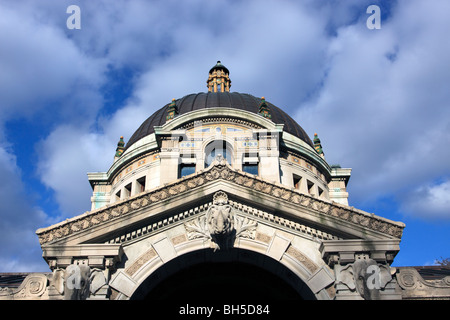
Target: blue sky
[(378, 99)]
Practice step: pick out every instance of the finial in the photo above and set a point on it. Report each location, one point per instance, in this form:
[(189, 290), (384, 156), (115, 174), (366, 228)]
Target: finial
[(120, 147), (264, 109), (317, 144), (172, 110)]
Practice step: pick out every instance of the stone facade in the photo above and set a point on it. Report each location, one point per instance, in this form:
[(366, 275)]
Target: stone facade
[(223, 185), (88, 260)]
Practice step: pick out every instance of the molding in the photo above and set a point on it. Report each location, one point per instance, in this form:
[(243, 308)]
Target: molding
[(344, 251), (244, 212), (413, 286), (220, 170), (96, 254), (229, 113)]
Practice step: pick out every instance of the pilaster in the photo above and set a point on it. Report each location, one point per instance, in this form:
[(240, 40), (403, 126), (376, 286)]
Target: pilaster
[(81, 272), (269, 155), (170, 158)]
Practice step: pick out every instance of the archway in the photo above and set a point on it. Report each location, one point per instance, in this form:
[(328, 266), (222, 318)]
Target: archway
[(223, 277), (216, 147)]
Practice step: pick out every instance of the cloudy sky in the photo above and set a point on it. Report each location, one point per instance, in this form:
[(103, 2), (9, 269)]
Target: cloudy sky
[(378, 98)]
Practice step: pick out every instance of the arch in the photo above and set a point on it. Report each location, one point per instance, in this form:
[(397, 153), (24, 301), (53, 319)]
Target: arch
[(234, 274), (151, 268), (218, 146)]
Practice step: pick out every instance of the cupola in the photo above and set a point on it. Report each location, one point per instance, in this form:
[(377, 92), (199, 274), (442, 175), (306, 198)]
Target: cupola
[(219, 79)]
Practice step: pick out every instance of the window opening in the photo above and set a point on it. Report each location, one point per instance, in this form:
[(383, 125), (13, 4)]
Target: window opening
[(297, 181), (310, 187), (140, 184), (215, 148), (186, 169), (127, 190)]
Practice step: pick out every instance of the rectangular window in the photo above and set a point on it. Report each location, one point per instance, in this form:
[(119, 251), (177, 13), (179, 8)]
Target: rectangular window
[(186, 169), (118, 195), (310, 187), (250, 168), (297, 181), (140, 185), (127, 191)]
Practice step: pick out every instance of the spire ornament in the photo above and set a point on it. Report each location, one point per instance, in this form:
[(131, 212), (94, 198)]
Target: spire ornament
[(120, 148), (172, 110), (318, 145), (264, 109)]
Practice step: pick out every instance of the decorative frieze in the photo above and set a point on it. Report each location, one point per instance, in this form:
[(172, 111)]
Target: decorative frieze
[(227, 120), (219, 170), (308, 263), (138, 263)]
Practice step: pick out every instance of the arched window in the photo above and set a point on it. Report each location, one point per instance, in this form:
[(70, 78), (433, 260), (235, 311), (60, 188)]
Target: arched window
[(215, 148)]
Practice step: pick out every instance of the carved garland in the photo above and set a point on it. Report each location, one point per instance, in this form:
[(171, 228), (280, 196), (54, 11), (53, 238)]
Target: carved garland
[(219, 170)]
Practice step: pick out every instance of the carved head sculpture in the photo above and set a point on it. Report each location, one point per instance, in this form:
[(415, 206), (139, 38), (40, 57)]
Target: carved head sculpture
[(219, 217)]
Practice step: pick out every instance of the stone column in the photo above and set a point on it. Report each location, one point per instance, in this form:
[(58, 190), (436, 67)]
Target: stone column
[(362, 268)]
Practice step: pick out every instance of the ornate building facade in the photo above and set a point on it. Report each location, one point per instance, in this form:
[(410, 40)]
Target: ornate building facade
[(223, 188)]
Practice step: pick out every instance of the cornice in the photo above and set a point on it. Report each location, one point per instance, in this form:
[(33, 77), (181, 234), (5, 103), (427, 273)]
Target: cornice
[(219, 113), (220, 170)]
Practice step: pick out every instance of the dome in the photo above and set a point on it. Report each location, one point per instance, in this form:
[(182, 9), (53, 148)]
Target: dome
[(234, 100)]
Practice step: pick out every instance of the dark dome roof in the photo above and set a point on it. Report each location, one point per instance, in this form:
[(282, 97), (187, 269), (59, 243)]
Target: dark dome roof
[(235, 100)]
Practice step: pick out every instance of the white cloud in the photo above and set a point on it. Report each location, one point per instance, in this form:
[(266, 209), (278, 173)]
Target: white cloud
[(431, 201), (40, 66), (66, 156), (383, 107)]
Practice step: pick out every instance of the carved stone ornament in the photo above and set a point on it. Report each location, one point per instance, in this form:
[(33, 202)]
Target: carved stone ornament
[(33, 286), (77, 281), (219, 219), (366, 277), (220, 224), (414, 286)]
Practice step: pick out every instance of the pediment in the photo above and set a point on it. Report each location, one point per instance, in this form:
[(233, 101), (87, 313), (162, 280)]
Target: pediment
[(190, 196)]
